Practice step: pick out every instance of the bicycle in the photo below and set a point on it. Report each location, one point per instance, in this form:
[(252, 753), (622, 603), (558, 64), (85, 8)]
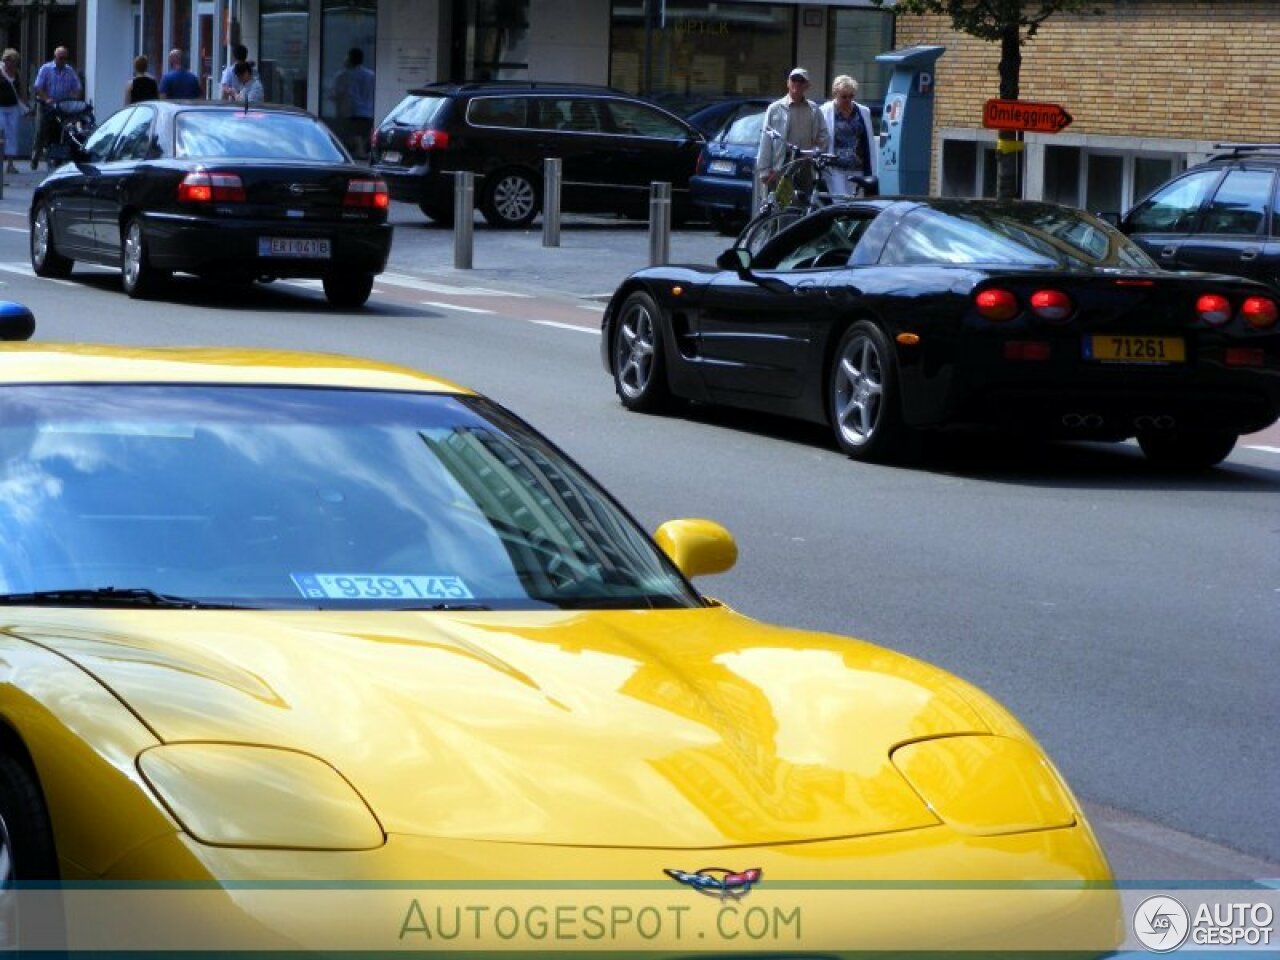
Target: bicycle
[(799, 190)]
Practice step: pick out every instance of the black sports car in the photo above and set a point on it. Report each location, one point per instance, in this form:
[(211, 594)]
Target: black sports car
[(883, 316), (225, 190)]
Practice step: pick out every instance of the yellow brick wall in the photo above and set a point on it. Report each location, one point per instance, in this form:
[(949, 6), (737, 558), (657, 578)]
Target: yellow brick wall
[(1185, 69)]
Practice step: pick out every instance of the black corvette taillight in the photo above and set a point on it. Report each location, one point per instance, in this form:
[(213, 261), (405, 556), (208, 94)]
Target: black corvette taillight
[(1051, 305), (1214, 309), (1259, 312), (996, 304)]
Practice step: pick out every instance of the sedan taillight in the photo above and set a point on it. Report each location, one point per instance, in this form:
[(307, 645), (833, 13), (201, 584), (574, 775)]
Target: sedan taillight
[(1259, 312), (367, 195), (205, 187)]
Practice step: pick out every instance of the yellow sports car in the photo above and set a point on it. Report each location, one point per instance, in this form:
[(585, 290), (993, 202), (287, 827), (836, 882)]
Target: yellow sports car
[(311, 651)]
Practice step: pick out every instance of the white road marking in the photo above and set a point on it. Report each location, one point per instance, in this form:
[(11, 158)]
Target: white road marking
[(454, 306), (595, 308), (15, 229), (23, 269), (1251, 446), (426, 286), (566, 326)]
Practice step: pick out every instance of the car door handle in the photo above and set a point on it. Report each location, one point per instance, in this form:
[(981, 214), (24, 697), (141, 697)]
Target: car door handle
[(806, 288), (1168, 251), (1250, 253)]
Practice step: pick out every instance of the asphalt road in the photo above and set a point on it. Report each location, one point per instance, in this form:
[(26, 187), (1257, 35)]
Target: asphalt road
[(1127, 617)]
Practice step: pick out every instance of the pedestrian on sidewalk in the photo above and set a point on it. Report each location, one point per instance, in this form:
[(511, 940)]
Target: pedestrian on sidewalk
[(792, 121), (12, 106), (179, 83), (143, 85), (353, 99), (230, 85), (850, 135), (250, 86)]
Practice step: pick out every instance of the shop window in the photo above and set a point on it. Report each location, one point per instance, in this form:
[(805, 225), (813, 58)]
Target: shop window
[(1104, 183), (285, 49), (969, 168), (855, 39), (490, 40), (1062, 175), (345, 24), (701, 51)]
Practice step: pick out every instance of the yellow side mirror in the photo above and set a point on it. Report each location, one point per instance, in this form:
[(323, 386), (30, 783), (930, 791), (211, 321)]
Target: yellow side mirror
[(697, 547)]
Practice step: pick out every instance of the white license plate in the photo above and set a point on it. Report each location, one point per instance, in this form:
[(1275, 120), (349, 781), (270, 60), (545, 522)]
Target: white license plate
[(302, 248), (391, 156), (722, 166)]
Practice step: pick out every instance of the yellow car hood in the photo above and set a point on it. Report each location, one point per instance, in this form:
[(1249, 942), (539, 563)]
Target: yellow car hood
[(684, 728)]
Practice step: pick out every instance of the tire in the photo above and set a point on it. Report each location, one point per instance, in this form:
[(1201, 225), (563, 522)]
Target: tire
[(138, 277), (864, 398), (46, 261), (348, 289), (639, 371), (437, 212), (1187, 450), (27, 851), (510, 198)]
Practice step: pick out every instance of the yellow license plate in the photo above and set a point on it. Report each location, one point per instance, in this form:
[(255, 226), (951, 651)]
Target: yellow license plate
[(1136, 349)]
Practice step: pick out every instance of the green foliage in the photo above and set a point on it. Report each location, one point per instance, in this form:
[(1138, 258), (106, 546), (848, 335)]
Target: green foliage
[(992, 19)]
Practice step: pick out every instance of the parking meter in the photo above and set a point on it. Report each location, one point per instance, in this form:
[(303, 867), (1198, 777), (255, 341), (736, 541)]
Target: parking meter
[(906, 126)]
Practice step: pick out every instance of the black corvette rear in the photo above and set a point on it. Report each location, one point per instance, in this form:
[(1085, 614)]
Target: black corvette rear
[(887, 316)]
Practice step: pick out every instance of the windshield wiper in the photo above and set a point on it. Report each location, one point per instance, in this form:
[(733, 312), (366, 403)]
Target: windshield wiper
[(108, 597)]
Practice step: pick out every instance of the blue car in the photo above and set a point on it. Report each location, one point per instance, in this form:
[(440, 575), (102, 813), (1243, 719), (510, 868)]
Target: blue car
[(721, 187)]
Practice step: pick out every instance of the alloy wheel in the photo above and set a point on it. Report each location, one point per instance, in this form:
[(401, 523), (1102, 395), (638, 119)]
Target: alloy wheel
[(859, 391), (633, 351), (40, 236), (514, 198), (132, 255)]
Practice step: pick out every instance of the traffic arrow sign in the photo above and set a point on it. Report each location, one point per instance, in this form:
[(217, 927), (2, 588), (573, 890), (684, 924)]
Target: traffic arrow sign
[(1024, 115)]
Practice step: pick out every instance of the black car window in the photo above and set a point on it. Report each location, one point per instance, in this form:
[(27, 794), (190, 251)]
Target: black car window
[(1173, 208), (416, 110), (638, 119), (814, 242), (135, 140), (253, 135), (1239, 207), (98, 146), (498, 112), (580, 116)]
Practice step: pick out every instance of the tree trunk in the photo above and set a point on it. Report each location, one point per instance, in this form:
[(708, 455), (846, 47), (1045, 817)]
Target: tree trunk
[(1008, 146)]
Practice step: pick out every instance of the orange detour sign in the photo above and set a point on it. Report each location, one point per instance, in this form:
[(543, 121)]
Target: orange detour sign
[(1024, 115)]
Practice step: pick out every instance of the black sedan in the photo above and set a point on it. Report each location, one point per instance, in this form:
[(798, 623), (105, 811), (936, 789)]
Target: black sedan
[(885, 316), (221, 190)]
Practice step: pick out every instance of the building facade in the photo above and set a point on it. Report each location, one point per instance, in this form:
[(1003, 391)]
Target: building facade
[(1152, 84)]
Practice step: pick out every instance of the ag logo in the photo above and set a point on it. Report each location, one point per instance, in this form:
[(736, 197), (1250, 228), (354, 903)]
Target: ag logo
[(1161, 924)]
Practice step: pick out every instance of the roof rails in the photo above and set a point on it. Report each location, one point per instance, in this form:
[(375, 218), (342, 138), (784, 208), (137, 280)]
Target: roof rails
[(477, 85), (1240, 149)]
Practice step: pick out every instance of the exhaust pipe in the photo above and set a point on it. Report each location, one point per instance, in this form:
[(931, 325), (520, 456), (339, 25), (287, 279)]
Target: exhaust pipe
[(1082, 421), (1162, 422)]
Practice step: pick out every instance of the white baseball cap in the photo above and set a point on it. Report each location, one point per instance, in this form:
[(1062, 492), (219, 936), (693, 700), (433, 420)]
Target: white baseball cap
[(800, 72)]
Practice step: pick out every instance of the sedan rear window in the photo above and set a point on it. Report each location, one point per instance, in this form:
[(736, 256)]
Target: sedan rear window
[(253, 135)]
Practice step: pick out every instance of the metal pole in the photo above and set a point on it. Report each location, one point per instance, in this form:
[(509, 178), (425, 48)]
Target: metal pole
[(464, 217), (551, 202), (4, 162), (659, 223)]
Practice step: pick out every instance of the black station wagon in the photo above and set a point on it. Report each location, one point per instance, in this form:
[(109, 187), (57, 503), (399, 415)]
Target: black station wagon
[(612, 146)]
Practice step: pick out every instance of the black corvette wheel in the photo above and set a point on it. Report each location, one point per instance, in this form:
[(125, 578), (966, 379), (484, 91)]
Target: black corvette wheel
[(138, 277), (46, 261), (638, 372), (1187, 449), (864, 404), (348, 289), (26, 845), (510, 198)]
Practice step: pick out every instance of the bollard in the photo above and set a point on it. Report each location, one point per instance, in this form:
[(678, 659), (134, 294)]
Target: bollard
[(4, 161), (464, 217), (551, 202), (659, 223)]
